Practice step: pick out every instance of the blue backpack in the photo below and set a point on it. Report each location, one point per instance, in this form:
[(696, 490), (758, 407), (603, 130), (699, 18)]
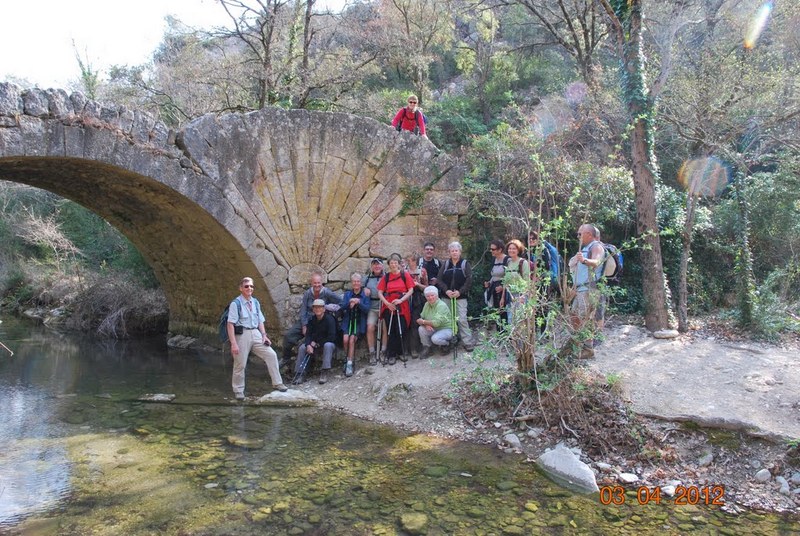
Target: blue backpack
[(552, 259), (223, 321)]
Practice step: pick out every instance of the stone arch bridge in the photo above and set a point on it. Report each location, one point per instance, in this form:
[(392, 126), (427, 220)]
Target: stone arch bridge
[(272, 193)]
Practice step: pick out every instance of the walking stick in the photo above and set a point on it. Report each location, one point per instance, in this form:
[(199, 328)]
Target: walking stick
[(389, 330), (7, 349), (379, 338), (454, 314), (403, 357)]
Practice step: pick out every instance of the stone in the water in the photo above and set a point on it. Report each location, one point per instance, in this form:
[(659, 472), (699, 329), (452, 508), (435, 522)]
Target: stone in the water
[(436, 471), (414, 522), (157, 397), (566, 469), (245, 443), (666, 334)]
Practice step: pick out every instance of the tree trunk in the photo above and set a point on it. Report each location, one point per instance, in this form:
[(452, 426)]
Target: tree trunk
[(641, 110), (683, 286)]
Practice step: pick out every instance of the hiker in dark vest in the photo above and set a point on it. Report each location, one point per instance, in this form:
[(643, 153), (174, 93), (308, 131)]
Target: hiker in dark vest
[(455, 278), (587, 269), (320, 338), (298, 330), (410, 118), (425, 273), (495, 295), (395, 290), (373, 317), (245, 314)]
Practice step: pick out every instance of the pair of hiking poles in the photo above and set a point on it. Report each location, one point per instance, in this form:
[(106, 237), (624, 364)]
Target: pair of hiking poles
[(382, 356), (454, 326)]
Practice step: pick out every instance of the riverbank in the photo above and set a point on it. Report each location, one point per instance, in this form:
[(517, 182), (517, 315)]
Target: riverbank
[(708, 418)]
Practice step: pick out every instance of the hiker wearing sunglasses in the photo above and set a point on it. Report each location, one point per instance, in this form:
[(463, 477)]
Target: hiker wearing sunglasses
[(248, 335), (410, 118)]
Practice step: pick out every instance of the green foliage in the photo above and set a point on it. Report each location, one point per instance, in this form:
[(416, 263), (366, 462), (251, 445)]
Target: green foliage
[(453, 122)]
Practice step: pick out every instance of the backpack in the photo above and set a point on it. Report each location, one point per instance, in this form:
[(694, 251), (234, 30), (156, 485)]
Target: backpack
[(417, 115), (552, 259), (612, 266), (402, 278), (223, 321)]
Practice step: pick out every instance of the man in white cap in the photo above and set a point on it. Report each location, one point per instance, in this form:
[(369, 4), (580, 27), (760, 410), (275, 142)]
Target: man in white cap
[(320, 337)]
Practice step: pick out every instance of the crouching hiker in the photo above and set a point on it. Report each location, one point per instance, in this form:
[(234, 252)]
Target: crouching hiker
[(434, 322), (355, 306), (247, 335), (320, 338)]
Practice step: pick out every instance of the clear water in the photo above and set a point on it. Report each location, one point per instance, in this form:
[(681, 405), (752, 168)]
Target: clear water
[(80, 455)]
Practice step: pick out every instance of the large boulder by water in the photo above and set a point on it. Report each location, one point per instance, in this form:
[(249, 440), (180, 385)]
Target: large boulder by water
[(561, 465), (292, 397)]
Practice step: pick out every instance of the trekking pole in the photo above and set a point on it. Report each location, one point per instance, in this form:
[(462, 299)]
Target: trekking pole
[(389, 331), (379, 338), (454, 314), (7, 349), (403, 357)]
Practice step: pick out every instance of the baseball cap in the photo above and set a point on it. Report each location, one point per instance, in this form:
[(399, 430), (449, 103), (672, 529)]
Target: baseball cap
[(376, 260), (318, 303)]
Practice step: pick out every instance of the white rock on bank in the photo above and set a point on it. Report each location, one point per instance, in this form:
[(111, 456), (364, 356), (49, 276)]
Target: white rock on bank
[(566, 469), (292, 397), (666, 334)]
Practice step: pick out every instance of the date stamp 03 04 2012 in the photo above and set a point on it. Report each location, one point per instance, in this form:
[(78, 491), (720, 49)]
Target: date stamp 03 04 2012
[(684, 495)]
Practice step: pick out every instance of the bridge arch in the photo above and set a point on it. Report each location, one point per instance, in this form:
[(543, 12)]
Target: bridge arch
[(270, 193)]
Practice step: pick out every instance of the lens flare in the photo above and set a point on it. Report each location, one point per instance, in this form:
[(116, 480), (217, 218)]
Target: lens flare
[(757, 25), (706, 177)]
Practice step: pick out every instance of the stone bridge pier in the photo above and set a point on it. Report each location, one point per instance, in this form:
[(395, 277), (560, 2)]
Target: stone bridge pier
[(272, 194)]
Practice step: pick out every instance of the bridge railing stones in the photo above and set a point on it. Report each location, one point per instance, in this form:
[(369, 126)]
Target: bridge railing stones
[(273, 193)]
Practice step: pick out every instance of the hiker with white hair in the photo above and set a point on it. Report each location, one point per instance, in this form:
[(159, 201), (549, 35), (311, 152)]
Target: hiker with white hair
[(434, 323)]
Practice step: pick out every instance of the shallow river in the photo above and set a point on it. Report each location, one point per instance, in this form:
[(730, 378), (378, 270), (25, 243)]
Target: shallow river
[(80, 455)]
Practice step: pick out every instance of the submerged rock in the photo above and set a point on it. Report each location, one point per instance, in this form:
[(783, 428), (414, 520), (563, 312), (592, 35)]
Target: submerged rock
[(245, 443), (414, 522), (292, 397), (156, 397), (561, 465)]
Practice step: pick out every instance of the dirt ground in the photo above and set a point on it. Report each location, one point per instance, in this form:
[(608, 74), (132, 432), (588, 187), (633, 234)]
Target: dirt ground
[(719, 410)]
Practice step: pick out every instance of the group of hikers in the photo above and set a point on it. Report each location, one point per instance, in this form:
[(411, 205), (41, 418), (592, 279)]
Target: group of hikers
[(404, 305)]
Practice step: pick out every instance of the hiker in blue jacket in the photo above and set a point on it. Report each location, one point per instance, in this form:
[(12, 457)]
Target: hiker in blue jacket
[(355, 306)]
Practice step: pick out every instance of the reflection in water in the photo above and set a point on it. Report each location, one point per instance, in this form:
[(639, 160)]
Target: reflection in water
[(79, 454)]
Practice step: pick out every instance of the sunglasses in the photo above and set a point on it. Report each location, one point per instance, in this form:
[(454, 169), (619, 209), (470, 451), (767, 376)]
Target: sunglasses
[(248, 286), (412, 102), (492, 249)]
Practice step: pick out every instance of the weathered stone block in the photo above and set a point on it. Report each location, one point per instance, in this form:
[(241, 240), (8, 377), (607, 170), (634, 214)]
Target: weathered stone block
[(35, 103), (402, 225), (11, 103), (58, 103), (449, 203), (78, 101)]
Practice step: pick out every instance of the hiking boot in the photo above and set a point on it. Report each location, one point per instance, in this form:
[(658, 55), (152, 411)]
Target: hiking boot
[(373, 358), (391, 360), (348, 369), (280, 387), (239, 397), (323, 376), (425, 353)]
